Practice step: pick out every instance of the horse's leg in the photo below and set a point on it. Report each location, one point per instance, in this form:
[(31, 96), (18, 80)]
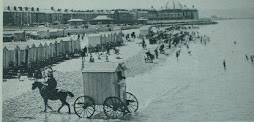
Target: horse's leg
[(50, 107), (64, 101), (68, 106), (61, 106), (45, 103)]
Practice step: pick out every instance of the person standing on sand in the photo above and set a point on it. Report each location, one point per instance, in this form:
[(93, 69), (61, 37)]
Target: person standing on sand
[(247, 58), (156, 53), (91, 58), (224, 64), (177, 55), (107, 58), (143, 43), (83, 54)]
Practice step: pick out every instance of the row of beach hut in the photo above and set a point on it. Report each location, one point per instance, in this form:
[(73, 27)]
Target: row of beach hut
[(28, 52), (104, 39), (46, 33)]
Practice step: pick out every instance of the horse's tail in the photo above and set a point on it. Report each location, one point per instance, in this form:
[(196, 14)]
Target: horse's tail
[(70, 94)]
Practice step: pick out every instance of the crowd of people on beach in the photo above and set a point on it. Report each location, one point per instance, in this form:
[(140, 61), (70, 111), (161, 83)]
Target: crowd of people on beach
[(105, 52), (167, 38), (174, 37), (99, 54)]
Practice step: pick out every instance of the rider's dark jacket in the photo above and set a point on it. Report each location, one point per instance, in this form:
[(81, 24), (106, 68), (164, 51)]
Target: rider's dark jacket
[(51, 83)]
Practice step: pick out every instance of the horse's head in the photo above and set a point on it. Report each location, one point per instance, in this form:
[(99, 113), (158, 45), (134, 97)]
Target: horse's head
[(36, 84)]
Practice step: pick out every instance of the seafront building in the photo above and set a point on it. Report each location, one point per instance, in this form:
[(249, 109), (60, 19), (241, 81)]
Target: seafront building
[(28, 16)]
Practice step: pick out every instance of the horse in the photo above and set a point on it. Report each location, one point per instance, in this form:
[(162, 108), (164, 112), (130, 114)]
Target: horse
[(52, 95)]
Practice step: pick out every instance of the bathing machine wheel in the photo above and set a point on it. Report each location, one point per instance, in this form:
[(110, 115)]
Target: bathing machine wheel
[(131, 102), (84, 107)]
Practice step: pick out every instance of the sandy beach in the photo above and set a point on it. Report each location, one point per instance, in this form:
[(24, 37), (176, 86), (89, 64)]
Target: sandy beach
[(69, 77)]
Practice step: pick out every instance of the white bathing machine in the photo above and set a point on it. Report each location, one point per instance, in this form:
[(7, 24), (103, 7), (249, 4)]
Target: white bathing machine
[(104, 84)]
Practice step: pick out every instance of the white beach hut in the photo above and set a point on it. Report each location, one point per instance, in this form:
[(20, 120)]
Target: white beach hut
[(6, 57), (101, 80)]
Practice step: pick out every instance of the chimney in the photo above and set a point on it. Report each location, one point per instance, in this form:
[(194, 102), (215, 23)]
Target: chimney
[(37, 9), (59, 10), (52, 8), (20, 8), (26, 8), (193, 6), (66, 10), (8, 7), (32, 9), (15, 8)]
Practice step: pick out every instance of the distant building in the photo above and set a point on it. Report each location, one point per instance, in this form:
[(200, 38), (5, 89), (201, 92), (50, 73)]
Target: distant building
[(140, 13), (17, 16), (102, 19), (22, 16), (124, 16), (75, 22), (28, 16), (173, 11)]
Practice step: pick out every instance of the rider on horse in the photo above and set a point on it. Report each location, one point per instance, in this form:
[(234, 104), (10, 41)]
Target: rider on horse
[(51, 82)]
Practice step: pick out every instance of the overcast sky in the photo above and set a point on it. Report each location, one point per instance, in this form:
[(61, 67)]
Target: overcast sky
[(203, 5)]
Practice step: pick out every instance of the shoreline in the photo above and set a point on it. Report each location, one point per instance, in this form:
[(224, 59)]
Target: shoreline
[(183, 22), (139, 66)]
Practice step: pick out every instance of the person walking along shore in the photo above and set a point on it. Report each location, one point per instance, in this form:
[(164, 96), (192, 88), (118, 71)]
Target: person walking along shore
[(156, 53), (224, 64), (247, 58), (177, 55)]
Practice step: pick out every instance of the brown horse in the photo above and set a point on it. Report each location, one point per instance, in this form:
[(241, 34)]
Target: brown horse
[(52, 95)]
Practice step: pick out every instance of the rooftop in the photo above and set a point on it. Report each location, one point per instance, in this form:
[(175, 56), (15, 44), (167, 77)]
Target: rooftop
[(102, 17), (102, 67), (75, 20), (176, 5)]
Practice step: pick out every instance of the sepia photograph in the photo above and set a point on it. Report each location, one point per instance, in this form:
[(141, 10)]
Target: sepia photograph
[(127, 60)]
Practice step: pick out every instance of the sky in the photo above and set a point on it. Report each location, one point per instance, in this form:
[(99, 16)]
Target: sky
[(210, 7)]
